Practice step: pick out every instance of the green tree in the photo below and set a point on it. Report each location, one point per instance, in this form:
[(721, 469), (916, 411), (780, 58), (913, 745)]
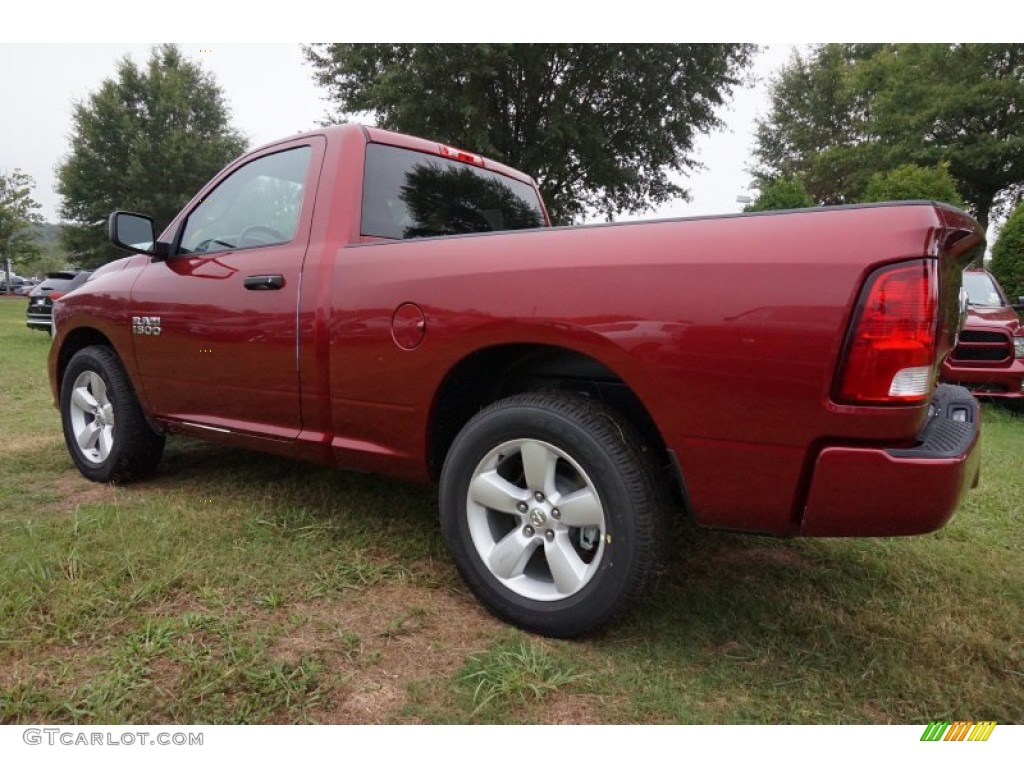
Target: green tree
[(1008, 255), (814, 128), (913, 182), (18, 217), (51, 256), (600, 127), (780, 195), (846, 112), (147, 140)]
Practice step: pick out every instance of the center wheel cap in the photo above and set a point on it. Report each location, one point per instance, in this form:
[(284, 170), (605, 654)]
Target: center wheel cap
[(537, 517)]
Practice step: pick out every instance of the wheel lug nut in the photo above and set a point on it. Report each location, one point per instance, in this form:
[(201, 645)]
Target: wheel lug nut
[(538, 496), (549, 535), (522, 507), (556, 513), (528, 531)]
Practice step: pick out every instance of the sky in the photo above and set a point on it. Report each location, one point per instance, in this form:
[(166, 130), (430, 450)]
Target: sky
[(45, 63), (271, 94), (268, 88)]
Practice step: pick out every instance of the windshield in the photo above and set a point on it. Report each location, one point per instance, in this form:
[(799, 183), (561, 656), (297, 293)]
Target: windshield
[(410, 194), (982, 290)]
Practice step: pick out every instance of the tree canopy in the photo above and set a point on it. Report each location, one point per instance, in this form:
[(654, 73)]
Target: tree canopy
[(781, 194), (18, 218), (846, 112), (912, 182), (600, 127), (146, 141)]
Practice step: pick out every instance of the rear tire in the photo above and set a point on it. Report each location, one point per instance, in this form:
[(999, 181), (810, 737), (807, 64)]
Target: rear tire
[(105, 430), (548, 504)]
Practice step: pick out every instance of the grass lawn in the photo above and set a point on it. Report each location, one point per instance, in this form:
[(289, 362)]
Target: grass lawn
[(235, 587)]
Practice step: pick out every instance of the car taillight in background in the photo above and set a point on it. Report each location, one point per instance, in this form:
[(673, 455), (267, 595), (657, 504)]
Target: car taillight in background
[(890, 352)]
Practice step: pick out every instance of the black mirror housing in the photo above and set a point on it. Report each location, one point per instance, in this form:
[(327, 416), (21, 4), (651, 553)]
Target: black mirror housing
[(136, 233)]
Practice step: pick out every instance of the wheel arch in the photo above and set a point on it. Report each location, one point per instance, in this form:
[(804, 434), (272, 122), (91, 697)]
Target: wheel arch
[(107, 433), (86, 336), (499, 371), (75, 341)]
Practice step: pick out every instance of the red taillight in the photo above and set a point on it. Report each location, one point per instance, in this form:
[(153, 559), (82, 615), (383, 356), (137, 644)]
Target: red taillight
[(461, 155), (53, 296), (890, 352)]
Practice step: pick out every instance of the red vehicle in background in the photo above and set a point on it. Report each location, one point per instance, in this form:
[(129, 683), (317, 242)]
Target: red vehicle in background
[(989, 356)]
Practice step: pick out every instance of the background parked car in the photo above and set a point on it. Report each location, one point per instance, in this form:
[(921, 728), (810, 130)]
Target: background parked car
[(39, 315), (16, 283), (989, 356), (25, 288)]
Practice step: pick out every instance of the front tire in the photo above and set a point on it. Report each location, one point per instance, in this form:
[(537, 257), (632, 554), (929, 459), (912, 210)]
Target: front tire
[(548, 504), (105, 430)]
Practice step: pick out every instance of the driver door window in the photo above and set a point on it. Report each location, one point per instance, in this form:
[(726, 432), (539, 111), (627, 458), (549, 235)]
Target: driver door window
[(257, 205)]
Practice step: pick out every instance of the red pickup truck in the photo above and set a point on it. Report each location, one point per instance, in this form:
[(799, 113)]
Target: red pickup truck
[(989, 356), (390, 304)]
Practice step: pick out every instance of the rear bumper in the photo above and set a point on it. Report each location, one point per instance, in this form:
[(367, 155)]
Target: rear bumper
[(899, 492)]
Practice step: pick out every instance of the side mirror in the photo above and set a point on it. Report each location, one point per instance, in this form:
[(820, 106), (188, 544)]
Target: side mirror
[(136, 233), (1019, 306)]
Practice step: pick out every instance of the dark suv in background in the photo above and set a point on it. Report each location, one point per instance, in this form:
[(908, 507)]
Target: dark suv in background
[(989, 356), (39, 315)]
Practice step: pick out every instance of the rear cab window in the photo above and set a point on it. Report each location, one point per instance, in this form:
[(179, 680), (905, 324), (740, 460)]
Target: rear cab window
[(409, 194)]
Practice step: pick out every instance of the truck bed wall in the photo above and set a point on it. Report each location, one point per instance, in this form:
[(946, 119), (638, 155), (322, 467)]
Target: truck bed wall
[(727, 329)]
